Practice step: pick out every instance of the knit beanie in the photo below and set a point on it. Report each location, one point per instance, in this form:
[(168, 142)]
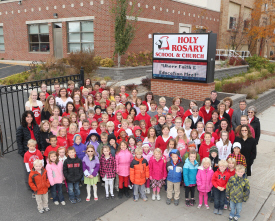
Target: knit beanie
[(77, 135), (111, 137), (214, 149), (138, 139), (146, 144), (97, 107)]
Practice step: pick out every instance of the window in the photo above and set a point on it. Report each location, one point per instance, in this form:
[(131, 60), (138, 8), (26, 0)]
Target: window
[(232, 23), (2, 46), (39, 38), (246, 24), (80, 36)]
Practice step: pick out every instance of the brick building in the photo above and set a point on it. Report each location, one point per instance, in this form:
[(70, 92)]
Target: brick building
[(35, 29)]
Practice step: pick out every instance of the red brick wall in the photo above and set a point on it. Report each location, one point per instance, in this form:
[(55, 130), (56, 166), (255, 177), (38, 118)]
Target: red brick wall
[(187, 90), (16, 33)]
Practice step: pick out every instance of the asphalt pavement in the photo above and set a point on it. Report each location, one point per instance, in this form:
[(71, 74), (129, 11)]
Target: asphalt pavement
[(10, 69)]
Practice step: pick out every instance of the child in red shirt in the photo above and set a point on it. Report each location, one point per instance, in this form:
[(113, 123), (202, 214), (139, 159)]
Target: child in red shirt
[(52, 147), (62, 140), (205, 146), (144, 116), (84, 130)]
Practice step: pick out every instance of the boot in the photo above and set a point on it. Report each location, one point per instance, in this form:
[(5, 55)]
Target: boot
[(120, 193), (126, 192)]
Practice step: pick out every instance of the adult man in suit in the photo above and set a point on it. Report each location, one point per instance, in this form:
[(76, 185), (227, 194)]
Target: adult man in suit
[(236, 118)]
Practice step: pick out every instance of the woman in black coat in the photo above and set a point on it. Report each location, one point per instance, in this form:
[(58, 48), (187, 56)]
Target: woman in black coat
[(254, 122), (26, 131), (248, 146)]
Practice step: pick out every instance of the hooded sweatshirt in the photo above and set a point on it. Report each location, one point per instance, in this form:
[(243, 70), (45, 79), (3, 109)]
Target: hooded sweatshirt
[(224, 150), (174, 170), (84, 134), (204, 149), (55, 173), (220, 179)]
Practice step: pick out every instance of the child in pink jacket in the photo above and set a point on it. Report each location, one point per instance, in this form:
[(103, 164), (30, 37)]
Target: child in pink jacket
[(158, 172), (204, 181), (123, 160), (55, 174)]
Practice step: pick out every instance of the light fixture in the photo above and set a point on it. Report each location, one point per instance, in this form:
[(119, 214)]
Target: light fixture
[(55, 15)]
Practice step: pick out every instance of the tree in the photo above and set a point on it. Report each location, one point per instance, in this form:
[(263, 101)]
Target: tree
[(124, 28)]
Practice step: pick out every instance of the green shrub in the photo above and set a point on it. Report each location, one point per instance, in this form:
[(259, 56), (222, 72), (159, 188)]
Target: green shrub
[(253, 76), (16, 78), (107, 62), (259, 63), (218, 85), (264, 73), (234, 80), (97, 60)]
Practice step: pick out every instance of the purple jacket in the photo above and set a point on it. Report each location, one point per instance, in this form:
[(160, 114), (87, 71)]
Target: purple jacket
[(204, 179), (80, 150), (123, 161), (55, 173), (90, 167)]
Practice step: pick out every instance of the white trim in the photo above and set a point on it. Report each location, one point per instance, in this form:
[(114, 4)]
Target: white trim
[(1, 24), (61, 20), (9, 1), (151, 20), (195, 5)]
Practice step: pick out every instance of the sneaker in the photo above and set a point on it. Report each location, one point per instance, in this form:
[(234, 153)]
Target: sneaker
[(158, 197), (145, 199), (56, 203), (117, 189), (187, 203), (47, 209), (73, 201), (63, 203), (120, 193), (199, 206), (87, 200), (41, 211), (112, 196), (220, 212), (148, 190), (192, 202), (225, 206), (168, 201), (176, 202), (95, 199), (229, 208), (130, 186), (216, 211), (153, 197), (230, 218), (235, 218), (78, 200), (207, 207), (33, 195), (107, 197), (135, 200)]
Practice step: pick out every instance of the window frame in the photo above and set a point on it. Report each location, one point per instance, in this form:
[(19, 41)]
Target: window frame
[(39, 39), (1, 51), (232, 24), (80, 33)]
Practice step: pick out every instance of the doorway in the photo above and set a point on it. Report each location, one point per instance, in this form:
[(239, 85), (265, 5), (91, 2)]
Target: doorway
[(57, 40)]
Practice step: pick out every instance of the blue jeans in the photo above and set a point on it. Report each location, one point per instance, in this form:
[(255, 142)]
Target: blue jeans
[(218, 198), (73, 190), (235, 207), (56, 191)]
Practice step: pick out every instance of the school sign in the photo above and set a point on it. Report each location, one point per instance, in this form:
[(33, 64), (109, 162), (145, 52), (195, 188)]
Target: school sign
[(184, 57)]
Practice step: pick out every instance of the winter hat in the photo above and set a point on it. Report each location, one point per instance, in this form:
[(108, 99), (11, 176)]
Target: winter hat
[(137, 128), (214, 149), (97, 107), (111, 137), (93, 132), (146, 144), (138, 139), (237, 144), (75, 136), (191, 144)]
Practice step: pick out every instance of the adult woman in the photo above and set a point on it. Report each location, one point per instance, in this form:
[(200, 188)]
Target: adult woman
[(134, 96), (228, 102), (254, 122), (87, 82), (35, 106), (63, 99), (149, 96), (189, 111), (195, 117), (26, 131), (222, 112), (177, 101), (206, 110), (224, 126), (215, 119), (248, 146), (48, 108)]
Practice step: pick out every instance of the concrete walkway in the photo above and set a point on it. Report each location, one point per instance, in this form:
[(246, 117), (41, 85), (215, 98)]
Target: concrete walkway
[(259, 207)]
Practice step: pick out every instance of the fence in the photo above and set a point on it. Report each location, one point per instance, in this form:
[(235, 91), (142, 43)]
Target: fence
[(12, 106)]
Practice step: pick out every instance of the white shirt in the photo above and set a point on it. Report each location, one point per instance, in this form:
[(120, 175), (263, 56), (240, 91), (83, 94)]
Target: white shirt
[(62, 104), (173, 132), (39, 104)]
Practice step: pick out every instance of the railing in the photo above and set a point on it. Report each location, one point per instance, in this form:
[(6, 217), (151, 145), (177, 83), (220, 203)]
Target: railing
[(12, 105), (222, 54)]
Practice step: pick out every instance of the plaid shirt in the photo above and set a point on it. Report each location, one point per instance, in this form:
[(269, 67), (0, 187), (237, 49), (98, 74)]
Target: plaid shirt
[(240, 159), (107, 167)]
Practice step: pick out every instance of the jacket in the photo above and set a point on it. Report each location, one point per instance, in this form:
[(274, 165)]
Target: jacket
[(214, 162), (231, 135), (204, 179), (38, 182), (148, 155), (161, 144), (190, 172), (174, 171), (62, 142), (237, 189), (204, 149), (23, 135), (158, 129), (255, 123), (80, 150), (185, 156), (72, 169), (224, 150), (220, 179), (55, 173), (157, 169), (113, 150), (248, 149), (43, 137), (206, 116), (107, 167), (123, 161), (84, 134), (194, 125), (70, 139), (90, 167), (139, 171)]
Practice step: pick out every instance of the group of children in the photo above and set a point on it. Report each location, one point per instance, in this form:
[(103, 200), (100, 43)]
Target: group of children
[(129, 144)]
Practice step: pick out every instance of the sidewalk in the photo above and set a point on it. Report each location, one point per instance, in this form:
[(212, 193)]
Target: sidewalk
[(259, 207)]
